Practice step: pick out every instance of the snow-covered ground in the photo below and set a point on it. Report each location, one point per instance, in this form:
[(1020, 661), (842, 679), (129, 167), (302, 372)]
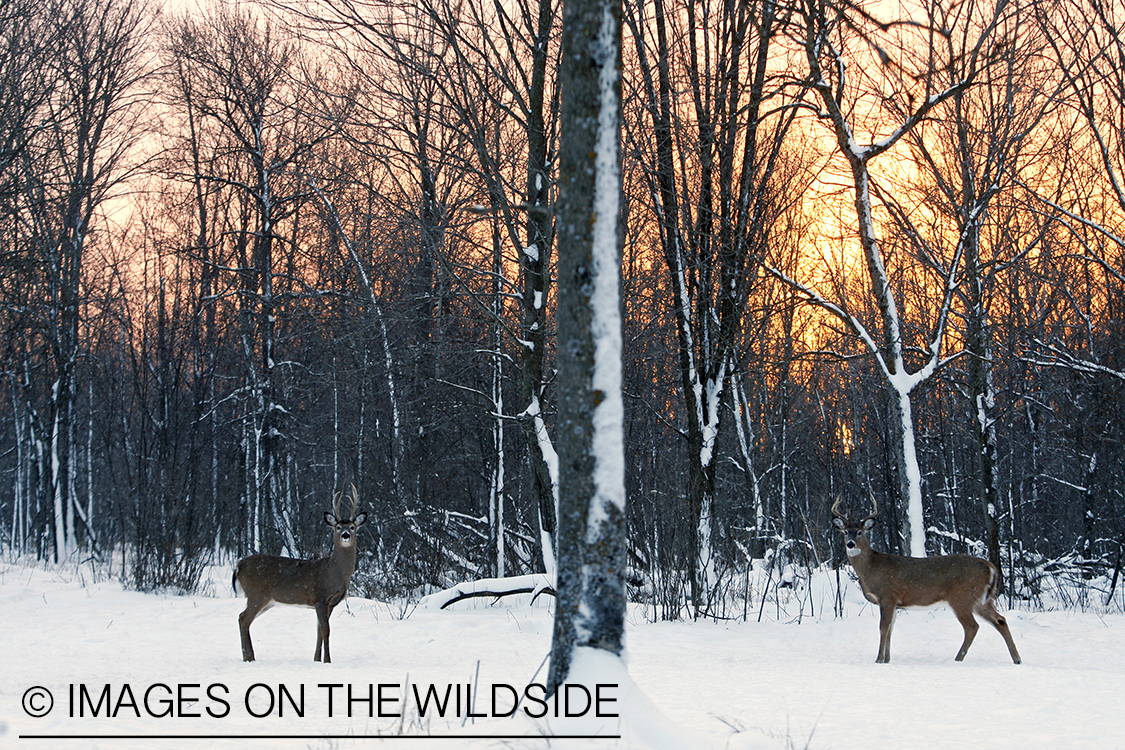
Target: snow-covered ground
[(697, 685)]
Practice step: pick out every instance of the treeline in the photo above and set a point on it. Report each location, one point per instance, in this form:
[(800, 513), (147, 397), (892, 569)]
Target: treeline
[(252, 256)]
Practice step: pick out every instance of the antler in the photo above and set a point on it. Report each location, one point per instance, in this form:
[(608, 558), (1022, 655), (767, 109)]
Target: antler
[(836, 509), (355, 500), (874, 508)]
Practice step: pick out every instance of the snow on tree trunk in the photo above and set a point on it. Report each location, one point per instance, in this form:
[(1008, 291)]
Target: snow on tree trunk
[(910, 475), (88, 516), (496, 493), (744, 431), (591, 589), (535, 283), (21, 490), (60, 502), (544, 460), (702, 492)]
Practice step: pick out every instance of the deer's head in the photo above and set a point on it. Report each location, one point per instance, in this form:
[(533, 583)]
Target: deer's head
[(856, 539), (344, 529)]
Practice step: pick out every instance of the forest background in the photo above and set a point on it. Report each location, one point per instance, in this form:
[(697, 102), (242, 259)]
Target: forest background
[(254, 253)]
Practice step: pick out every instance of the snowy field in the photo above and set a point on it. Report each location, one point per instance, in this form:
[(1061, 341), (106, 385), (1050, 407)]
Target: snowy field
[(735, 685)]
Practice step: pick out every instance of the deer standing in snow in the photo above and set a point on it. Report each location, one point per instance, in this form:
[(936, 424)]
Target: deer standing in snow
[(968, 584), (322, 583)]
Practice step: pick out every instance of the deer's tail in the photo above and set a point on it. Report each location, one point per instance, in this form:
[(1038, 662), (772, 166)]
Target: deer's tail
[(995, 584)]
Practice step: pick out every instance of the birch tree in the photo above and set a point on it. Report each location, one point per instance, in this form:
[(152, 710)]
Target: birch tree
[(874, 81)]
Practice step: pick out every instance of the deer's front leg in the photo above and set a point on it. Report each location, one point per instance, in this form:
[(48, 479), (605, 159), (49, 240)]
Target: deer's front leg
[(322, 613), (969, 623), (886, 624)]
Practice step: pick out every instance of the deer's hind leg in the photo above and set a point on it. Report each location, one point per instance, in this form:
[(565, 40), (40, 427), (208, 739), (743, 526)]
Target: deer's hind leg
[(971, 626), (254, 607), (988, 611)]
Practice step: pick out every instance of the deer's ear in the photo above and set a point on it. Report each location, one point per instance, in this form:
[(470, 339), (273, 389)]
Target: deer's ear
[(838, 523), (868, 523), (360, 519), (329, 519)]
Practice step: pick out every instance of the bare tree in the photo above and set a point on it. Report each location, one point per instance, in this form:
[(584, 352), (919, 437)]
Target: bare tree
[(972, 155), (1086, 45), (27, 35), (71, 165), (874, 81), (503, 57), (477, 73), (247, 87), (710, 162), (1085, 38)]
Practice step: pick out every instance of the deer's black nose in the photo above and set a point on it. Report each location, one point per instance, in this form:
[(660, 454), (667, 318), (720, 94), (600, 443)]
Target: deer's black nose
[(851, 544)]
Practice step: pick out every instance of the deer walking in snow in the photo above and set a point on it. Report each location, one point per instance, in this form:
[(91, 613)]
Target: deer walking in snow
[(968, 584), (322, 583)]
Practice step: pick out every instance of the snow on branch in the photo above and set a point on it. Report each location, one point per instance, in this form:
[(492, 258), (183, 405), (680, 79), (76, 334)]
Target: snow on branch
[(1105, 231), (534, 584), (1060, 358)]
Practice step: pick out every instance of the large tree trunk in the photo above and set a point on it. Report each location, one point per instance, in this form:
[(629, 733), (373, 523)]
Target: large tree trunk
[(591, 584)]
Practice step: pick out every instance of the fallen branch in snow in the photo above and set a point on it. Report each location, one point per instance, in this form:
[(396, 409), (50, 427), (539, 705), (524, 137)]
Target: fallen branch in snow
[(535, 584)]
